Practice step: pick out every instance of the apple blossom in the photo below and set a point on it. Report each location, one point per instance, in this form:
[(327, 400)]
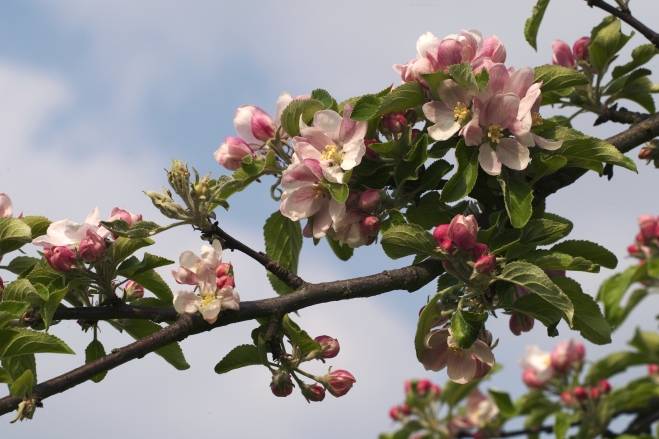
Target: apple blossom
[(92, 247), (253, 125), (335, 141), (231, 152), (481, 409), (449, 114), (68, 233), (125, 216), (567, 354), (463, 365), (537, 367), (5, 205), (195, 269), (61, 258), (338, 382)]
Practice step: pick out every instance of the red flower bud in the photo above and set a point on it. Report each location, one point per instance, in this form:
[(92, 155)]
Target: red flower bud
[(393, 123), (486, 264), (633, 249), (91, 247), (462, 231), (61, 258), (281, 384), (370, 225), (369, 200), (225, 281), (580, 393), (594, 393), (604, 386), (223, 269), (314, 392), (653, 369), (580, 48), (646, 153), (329, 346), (423, 387), (339, 382), (568, 398)]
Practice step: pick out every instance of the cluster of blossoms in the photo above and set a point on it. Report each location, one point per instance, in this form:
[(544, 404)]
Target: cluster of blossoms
[(423, 407), (458, 239), (66, 243), (337, 382), (646, 243), (540, 368), (565, 56), (497, 119), (255, 128), (213, 279)]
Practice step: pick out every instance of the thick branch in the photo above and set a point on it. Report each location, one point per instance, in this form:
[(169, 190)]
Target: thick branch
[(408, 278), (625, 141), (94, 313), (229, 242), (620, 115), (626, 16)]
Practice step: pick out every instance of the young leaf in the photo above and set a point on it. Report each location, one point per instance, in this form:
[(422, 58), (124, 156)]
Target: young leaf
[(38, 224), (503, 402), (401, 98), (299, 109), (532, 24), (546, 230), (366, 108), (465, 327), (153, 282), (49, 308), (407, 239), (123, 247), (15, 341), (94, 351), (132, 266), (640, 55), (558, 78), (339, 192), (613, 364), (341, 250), (408, 168), (14, 233), (22, 386), (518, 197), (324, 97), (464, 179), (21, 265), (588, 250), (536, 281), (299, 337), (283, 242), (463, 74), (240, 356), (606, 40)]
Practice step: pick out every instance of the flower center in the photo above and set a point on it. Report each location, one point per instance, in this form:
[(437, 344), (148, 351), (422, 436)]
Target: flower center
[(460, 112), (536, 119), (495, 133), (207, 299), (331, 153)]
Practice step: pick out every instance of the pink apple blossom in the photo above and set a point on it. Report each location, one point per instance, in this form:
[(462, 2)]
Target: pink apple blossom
[(451, 112), (537, 368), (5, 205), (253, 125), (195, 269), (61, 258), (481, 409), (92, 247), (334, 141), (231, 153), (69, 234), (566, 355)]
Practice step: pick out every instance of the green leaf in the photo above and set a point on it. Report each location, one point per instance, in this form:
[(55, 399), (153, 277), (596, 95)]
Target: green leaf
[(22, 386), (339, 192), (366, 108), (16, 366), (401, 98), (138, 329), (299, 337), (434, 80), (93, 352), (640, 55), (132, 266), (613, 364), (429, 211), (341, 250), (588, 318), (546, 230), (561, 424), (606, 40), (541, 310), (537, 282), (407, 239), (518, 197), (22, 264), (299, 109), (551, 260), (465, 327), (503, 402), (613, 289), (21, 290), (283, 243), (49, 308), (647, 342), (253, 166), (153, 282), (123, 247), (532, 23), (652, 266), (324, 97), (408, 168), (11, 310), (464, 179), (240, 356), (38, 224), (14, 233), (587, 250), (463, 74), (558, 78), (15, 341), (141, 229)]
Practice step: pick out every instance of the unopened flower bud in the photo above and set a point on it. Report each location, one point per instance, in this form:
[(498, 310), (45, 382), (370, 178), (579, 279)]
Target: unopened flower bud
[(580, 393), (281, 384), (393, 123), (223, 269), (519, 323), (339, 382), (562, 54), (230, 154), (440, 233), (179, 177), (568, 398), (225, 281), (125, 216), (395, 414), (253, 124), (370, 225), (594, 393), (133, 290), (314, 392), (531, 379), (633, 249), (369, 200), (580, 48), (567, 354), (646, 153), (92, 247), (329, 346), (462, 231), (423, 387), (61, 258), (164, 203), (604, 386), (486, 264), (653, 369)]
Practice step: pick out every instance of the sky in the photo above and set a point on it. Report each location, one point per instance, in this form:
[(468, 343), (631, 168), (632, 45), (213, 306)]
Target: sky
[(98, 97)]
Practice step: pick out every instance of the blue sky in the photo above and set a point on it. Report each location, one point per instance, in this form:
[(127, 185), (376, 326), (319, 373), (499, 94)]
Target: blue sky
[(98, 97)]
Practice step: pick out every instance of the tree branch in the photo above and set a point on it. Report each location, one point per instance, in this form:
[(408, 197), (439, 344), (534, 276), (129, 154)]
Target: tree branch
[(231, 243), (409, 278), (627, 17), (94, 313), (625, 141), (620, 115)]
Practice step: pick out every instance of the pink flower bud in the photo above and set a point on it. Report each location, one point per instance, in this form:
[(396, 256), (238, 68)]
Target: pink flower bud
[(479, 250), (223, 269), (253, 124), (225, 281), (604, 386), (405, 409), (369, 200), (125, 216), (281, 384), (594, 393), (531, 379), (92, 247), (408, 386), (580, 393), (314, 392), (646, 153), (133, 290), (633, 249), (519, 323), (462, 231), (231, 152), (486, 264), (393, 123), (370, 225), (370, 153), (423, 387), (339, 382), (329, 346), (436, 391), (395, 414), (61, 258), (653, 369), (580, 48), (5, 205), (567, 354), (562, 54), (440, 233), (648, 225), (494, 49), (568, 398)]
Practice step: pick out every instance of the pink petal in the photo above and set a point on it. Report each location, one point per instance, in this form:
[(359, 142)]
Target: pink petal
[(513, 154), (488, 160), (501, 109), (550, 145), (461, 366)]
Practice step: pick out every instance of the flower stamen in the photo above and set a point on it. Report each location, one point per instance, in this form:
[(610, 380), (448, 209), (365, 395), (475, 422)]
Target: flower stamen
[(495, 133), (332, 153), (460, 113)]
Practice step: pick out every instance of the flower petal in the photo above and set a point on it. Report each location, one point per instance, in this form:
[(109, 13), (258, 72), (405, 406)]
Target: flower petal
[(301, 203), (461, 366), (186, 302), (329, 122), (513, 154), (210, 310), (488, 160), (550, 145)]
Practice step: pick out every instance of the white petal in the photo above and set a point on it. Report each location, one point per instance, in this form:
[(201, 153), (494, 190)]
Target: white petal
[(488, 160), (352, 154), (300, 203), (513, 154), (550, 145), (210, 310), (242, 122), (186, 302), (461, 367), (189, 260), (329, 122)]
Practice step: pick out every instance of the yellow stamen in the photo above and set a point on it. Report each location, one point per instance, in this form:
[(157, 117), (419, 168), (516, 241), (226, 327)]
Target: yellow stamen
[(495, 133), (460, 113), (332, 153), (536, 118)]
